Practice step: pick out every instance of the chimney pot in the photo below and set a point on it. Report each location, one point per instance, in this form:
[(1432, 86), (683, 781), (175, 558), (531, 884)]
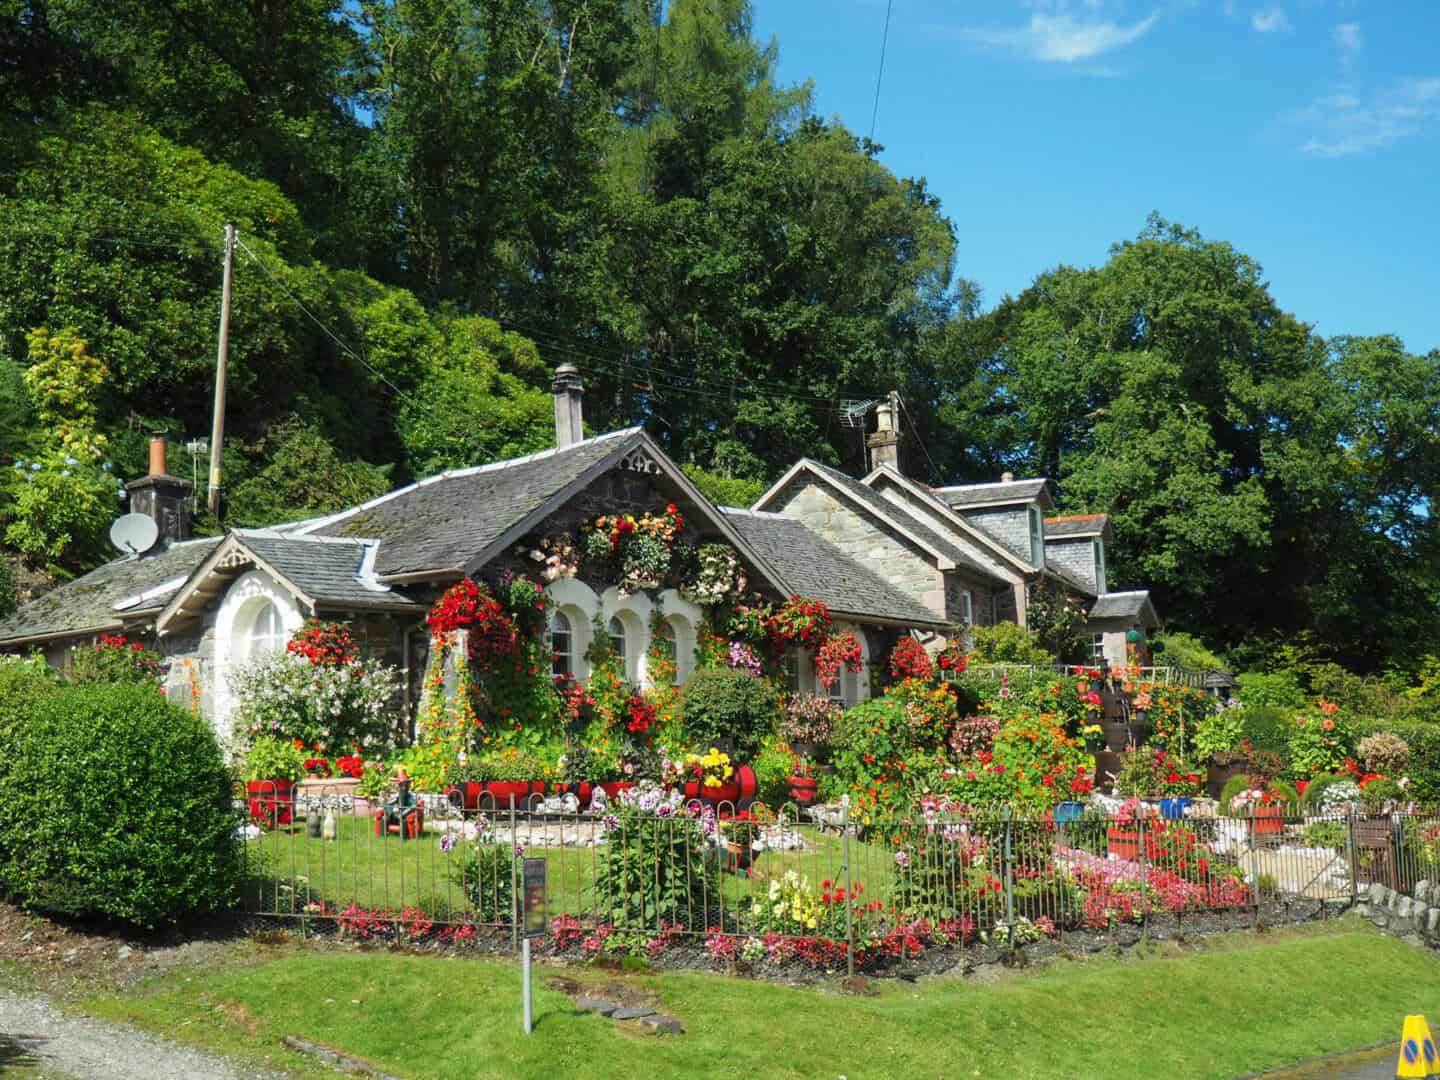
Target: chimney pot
[(568, 389), (158, 465)]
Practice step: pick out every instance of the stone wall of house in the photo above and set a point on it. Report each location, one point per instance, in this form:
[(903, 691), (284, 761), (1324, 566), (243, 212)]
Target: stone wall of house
[(891, 556), (982, 604), (977, 551), (1076, 556), (1010, 525)]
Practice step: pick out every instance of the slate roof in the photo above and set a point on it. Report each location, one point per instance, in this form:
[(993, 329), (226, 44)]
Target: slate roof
[(1074, 526), (878, 504), (86, 605), (324, 569), (1121, 605), (995, 494), (811, 566), (446, 520)]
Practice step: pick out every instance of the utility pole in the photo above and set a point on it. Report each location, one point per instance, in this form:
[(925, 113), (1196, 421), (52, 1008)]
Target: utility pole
[(217, 431)]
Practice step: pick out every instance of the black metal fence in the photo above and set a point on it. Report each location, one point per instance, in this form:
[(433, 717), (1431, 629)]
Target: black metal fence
[(814, 883)]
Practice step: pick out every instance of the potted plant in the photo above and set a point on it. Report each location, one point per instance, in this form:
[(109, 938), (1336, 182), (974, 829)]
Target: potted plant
[(1140, 708), (608, 770), (803, 785), (808, 723), (1123, 835), (1094, 736), (713, 777), (1263, 807), (741, 831), (510, 776), (271, 768)]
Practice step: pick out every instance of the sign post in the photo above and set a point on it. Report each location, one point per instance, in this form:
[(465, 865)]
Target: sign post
[(532, 874)]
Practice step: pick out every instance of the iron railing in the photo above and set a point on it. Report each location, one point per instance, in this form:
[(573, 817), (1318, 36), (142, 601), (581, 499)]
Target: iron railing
[(818, 881)]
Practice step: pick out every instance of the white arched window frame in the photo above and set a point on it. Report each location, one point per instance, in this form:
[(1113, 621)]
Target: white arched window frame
[(580, 606), (560, 640), (632, 613), (685, 620), (620, 641), (256, 614)]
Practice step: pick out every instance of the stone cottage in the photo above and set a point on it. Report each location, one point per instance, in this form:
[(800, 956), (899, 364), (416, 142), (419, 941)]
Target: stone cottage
[(887, 555)]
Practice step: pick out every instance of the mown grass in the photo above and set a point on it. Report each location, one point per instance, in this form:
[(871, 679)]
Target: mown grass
[(1236, 1005), (376, 872)]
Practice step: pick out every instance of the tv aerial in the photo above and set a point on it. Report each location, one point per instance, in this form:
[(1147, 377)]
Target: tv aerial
[(134, 534), (853, 413)]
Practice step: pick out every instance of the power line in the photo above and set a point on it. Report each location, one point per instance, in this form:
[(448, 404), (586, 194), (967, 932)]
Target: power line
[(884, 41), (343, 346), (934, 469)]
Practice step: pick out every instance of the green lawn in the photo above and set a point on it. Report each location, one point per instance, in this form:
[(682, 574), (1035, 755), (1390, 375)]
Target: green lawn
[(389, 873), (1238, 1005)]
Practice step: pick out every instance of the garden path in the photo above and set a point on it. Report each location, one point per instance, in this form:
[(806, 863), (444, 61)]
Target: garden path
[(34, 1032)]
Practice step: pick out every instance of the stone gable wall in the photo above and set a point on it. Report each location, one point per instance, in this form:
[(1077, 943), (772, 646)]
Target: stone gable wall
[(1076, 556), (1010, 525), (886, 554)]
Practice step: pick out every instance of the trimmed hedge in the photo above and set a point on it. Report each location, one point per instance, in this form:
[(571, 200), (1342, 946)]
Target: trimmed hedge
[(123, 805)]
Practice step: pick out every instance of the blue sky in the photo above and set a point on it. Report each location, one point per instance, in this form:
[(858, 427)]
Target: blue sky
[(1304, 132)]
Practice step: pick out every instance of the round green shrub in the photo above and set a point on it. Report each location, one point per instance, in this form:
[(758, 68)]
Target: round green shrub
[(1314, 794), (729, 704), (1268, 727), (125, 806)]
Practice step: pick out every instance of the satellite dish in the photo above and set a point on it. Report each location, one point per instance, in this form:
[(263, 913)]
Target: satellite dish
[(134, 534)]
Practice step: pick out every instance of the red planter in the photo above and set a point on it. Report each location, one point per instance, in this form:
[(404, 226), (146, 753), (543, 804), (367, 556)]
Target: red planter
[(803, 789), (469, 792), (725, 793), (614, 787), (1267, 820), (271, 801), (502, 791), (1124, 842), (1300, 786)]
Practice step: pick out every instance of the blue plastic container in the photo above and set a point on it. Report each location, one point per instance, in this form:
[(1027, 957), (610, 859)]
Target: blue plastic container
[(1174, 809), (1067, 812)]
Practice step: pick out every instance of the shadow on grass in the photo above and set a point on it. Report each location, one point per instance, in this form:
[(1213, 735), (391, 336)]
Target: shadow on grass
[(18, 1051)]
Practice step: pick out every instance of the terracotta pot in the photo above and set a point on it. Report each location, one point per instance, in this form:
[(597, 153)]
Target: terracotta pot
[(1266, 820), (1124, 841), (803, 789), (271, 801)]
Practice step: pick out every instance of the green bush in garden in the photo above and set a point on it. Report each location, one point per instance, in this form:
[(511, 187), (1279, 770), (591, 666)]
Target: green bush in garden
[(727, 703), (124, 804)]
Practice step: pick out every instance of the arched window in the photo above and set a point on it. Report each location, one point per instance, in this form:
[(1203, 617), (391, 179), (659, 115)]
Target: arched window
[(562, 643), (267, 631), (616, 629)]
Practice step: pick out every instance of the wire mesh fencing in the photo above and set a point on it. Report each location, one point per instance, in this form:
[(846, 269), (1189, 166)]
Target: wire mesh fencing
[(643, 873)]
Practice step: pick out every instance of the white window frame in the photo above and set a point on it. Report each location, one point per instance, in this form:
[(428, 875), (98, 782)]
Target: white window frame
[(1097, 651), (1037, 537), (1099, 557), (619, 642), (562, 662)]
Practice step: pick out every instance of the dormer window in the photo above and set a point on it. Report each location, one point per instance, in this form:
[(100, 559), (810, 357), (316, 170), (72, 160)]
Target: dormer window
[(1099, 566), (1037, 538)]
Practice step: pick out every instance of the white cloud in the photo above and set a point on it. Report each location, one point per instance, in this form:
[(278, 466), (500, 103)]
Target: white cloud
[(1270, 20), (1063, 38), (1351, 42), (1344, 124)]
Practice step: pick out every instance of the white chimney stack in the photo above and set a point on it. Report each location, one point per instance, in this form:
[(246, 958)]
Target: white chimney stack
[(885, 443)]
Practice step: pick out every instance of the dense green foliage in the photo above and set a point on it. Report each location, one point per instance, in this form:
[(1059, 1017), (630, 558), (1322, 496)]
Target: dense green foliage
[(730, 706), (463, 193), (123, 803)]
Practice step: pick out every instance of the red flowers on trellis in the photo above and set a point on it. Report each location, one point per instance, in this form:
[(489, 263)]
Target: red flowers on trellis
[(466, 605)]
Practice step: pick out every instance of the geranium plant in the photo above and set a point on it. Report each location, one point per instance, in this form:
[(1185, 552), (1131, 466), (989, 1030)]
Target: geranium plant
[(909, 660), (116, 659), (801, 622), (840, 650)]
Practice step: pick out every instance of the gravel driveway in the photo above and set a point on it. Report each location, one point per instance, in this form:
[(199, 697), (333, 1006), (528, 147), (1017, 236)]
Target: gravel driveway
[(34, 1032)]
